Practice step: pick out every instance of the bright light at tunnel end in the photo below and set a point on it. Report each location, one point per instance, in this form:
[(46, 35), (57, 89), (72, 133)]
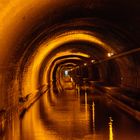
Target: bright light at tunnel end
[(66, 72)]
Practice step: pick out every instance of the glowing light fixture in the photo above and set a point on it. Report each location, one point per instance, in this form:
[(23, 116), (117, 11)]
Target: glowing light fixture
[(110, 54), (85, 64), (92, 61), (66, 72)]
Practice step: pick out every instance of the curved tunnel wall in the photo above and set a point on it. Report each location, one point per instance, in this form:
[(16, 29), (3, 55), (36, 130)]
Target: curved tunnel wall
[(25, 30)]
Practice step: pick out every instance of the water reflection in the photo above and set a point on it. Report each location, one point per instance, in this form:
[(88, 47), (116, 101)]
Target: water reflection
[(72, 115), (86, 106), (110, 128), (93, 116)]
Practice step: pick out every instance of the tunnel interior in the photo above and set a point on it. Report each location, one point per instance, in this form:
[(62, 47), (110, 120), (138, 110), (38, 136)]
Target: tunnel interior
[(66, 44)]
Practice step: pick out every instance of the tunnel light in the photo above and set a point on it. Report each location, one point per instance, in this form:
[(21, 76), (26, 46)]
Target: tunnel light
[(110, 54), (85, 64), (92, 61), (71, 79), (66, 72)]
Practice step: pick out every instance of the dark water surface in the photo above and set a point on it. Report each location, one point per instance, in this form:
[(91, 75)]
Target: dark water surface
[(73, 115)]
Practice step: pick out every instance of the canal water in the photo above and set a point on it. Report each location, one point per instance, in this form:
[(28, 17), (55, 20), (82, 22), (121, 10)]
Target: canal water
[(73, 114)]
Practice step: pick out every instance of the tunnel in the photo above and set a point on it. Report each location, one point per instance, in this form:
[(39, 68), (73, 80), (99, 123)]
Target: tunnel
[(74, 55)]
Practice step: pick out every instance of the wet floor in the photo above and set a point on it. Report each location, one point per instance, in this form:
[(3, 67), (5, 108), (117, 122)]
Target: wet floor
[(73, 114)]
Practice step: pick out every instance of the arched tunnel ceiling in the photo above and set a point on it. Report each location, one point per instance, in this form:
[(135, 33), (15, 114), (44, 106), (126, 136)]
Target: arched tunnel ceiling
[(28, 19), (31, 31), (65, 60), (45, 49)]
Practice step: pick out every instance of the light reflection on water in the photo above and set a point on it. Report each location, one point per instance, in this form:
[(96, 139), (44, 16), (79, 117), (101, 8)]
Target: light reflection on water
[(110, 128), (73, 115)]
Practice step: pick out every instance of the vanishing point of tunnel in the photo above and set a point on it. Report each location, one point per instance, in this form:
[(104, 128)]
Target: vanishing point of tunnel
[(69, 69)]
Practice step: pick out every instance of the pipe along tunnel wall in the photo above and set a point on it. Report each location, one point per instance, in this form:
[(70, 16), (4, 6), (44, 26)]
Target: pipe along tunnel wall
[(34, 34)]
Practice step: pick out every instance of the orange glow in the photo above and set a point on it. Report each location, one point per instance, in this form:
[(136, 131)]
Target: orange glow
[(92, 61), (110, 54), (93, 109), (110, 129), (51, 61), (86, 106), (45, 48), (85, 64)]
